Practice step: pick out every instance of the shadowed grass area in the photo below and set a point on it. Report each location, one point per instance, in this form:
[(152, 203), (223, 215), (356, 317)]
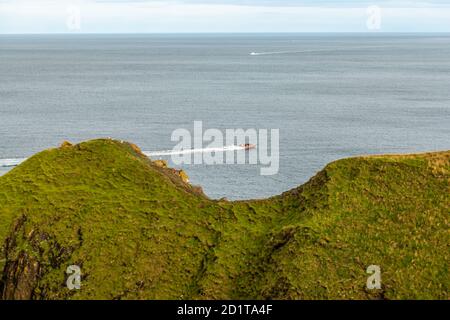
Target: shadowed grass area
[(139, 232)]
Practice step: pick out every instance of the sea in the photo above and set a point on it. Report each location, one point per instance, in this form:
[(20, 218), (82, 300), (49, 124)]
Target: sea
[(331, 96)]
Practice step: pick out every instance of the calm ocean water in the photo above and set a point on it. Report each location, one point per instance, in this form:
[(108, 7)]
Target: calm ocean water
[(331, 96)]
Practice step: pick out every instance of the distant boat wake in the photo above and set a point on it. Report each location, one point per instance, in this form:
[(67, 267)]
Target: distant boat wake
[(8, 163), (314, 50)]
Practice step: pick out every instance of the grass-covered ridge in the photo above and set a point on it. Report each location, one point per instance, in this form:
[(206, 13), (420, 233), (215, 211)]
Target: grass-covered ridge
[(139, 232)]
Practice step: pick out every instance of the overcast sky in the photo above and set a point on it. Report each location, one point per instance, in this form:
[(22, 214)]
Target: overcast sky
[(162, 16)]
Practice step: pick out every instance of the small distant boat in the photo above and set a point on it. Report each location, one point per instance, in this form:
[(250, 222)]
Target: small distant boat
[(248, 146), (253, 53)]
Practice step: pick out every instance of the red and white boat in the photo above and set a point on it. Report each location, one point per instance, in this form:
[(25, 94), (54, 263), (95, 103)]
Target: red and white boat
[(248, 146)]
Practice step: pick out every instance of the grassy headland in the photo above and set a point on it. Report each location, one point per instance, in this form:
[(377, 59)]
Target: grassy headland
[(138, 231)]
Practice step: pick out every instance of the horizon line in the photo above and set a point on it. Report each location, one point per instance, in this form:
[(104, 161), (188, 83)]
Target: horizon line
[(225, 32)]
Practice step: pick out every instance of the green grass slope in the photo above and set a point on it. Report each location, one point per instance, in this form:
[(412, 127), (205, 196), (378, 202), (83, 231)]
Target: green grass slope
[(139, 232)]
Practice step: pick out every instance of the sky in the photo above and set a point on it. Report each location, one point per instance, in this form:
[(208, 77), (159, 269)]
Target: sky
[(204, 16)]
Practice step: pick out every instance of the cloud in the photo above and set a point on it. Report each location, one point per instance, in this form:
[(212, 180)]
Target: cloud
[(159, 16), (304, 3)]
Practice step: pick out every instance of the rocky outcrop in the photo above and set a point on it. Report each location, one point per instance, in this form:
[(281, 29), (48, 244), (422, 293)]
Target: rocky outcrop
[(135, 148), (66, 144), (161, 163), (183, 175)]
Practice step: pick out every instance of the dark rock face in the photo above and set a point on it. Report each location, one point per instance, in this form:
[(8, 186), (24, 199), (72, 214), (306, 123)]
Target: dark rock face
[(21, 273), (20, 278), (25, 267)]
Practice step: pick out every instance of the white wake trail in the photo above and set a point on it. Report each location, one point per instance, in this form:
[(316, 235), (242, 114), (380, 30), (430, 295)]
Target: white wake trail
[(191, 151), (5, 163), (315, 50)]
